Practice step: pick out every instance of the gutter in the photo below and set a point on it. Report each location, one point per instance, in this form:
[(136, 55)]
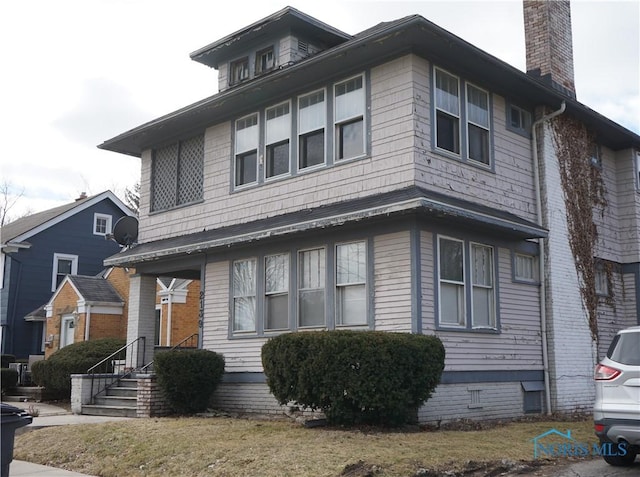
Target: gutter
[(541, 261)]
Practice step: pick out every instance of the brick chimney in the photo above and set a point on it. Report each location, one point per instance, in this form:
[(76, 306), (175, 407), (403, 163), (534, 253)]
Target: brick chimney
[(547, 33)]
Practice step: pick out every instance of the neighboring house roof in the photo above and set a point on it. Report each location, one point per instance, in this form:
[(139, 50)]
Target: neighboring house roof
[(20, 230), (95, 289), (435, 206), (373, 46)]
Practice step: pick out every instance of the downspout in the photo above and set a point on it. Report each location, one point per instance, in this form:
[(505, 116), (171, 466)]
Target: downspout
[(541, 261), (169, 303), (87, 322)]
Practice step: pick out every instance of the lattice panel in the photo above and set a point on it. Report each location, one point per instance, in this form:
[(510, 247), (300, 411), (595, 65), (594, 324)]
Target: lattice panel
[(165, 167), (191, 170)]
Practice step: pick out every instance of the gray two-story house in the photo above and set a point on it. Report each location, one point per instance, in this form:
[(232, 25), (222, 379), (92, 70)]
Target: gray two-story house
[(399, 179)]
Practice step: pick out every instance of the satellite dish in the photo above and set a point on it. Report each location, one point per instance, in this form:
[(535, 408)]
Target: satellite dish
[(125, 231)]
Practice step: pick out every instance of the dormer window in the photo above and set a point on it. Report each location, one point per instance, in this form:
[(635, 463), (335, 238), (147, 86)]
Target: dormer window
[(264, 60), (239, 71)]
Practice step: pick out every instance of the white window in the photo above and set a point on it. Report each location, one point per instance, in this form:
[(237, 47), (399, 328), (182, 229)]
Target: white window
[(246, 146), (244, 295), (63, 265), (312, 114), (452, 289), (349, 111), (276, 290), (478, 124), (239, 71), (447, 112), (518, 120), (525, 268), (277, 140), (311, 284), (264, 60), (482, 293), (101, 224), (601, 280), (466, 296), (351, 284)]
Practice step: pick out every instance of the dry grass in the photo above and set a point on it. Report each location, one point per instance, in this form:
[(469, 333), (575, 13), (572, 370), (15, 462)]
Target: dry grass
[(239, 447)]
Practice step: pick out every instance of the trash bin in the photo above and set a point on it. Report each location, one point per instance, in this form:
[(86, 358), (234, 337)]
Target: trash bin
[(11, 419)]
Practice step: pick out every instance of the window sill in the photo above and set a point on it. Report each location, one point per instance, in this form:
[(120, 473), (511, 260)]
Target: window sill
[(484, 331), (464, 160), (177, 207)]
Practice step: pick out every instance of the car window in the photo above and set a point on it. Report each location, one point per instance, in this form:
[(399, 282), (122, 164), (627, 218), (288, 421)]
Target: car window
[(625, 349)]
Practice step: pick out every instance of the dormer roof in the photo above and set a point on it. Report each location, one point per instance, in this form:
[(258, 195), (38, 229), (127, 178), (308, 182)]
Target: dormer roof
[(286, 20)]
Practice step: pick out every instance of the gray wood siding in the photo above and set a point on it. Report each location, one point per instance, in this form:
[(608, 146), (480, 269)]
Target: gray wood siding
[(628, 206), (517, 346), (616, 315), (392, 282), (389, 167), (509, 188), (239, 354), (608, 224)]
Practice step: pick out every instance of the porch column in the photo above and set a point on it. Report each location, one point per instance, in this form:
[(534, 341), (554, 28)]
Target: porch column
[(141, 321)]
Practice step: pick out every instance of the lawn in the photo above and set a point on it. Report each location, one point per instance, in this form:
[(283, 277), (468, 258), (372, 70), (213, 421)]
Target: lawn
[(223, 446)]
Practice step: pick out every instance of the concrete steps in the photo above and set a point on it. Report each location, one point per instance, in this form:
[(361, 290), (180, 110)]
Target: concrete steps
[(119, 400)]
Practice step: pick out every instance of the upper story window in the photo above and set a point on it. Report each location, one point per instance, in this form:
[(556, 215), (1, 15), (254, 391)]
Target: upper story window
[(239, 71), (464, 132), (311, 129), (349, 118), (596, 155), (246, 157), (63, 265), (264, 60), (466, 285), (177, 174), (277, 140), (518, 120), (101, 224), (601, 280), (525, 268)]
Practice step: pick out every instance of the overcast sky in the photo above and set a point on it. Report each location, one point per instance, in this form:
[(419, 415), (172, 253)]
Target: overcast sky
[(78, 72)]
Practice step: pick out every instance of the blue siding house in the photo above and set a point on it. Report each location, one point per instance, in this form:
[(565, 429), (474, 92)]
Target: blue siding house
[(38, 251)]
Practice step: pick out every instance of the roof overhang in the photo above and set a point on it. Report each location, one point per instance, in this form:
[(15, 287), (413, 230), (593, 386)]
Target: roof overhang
[(412, 34), (13, 247), (428, 205)]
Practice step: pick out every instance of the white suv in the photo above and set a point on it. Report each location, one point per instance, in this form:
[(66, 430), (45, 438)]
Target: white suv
[(616, 411)]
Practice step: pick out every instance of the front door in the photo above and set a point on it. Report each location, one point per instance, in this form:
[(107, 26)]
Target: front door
[(67, 330)]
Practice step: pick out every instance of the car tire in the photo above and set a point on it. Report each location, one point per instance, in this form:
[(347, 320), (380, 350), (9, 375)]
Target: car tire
[(620, 460)]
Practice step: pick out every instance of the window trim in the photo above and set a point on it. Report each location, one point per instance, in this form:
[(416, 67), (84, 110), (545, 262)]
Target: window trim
[(56, 258), (463, 122), (108, 225), (524, 131), (467, 274)]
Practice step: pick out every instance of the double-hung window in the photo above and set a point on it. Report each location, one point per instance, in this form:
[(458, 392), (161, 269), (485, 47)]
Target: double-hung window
[(178, 174), (246, 157), (264, 60), (478, 124), (312, 114), (244, 295), (349, 118), (63, 265), (239, 71), (311, 287), (447, 112), (276, 291), (277, 140), (351, 280), (466, 292)]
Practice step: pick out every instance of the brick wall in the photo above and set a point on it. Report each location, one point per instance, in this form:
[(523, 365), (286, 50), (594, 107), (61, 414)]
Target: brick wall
[(151, 401)]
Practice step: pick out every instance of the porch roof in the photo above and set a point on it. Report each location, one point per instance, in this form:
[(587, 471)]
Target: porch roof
[(429, 205)]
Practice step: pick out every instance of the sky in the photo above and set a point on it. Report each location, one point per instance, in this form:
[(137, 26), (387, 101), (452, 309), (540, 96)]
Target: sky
[(79, 72)]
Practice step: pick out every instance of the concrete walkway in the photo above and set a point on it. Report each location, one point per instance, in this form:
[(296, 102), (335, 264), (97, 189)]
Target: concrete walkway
[(51, 415)]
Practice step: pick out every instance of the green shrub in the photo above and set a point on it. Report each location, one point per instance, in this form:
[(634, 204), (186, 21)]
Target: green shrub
[(55, 372), (9, 378), (354, 377), (6, 359), (188, 378)]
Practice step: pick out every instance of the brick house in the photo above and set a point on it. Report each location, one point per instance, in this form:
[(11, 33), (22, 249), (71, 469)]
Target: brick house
[(94, 307), (399, 179)]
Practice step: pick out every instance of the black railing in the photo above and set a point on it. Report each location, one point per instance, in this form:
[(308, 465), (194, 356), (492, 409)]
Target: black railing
[(117, 366), (189, 342)]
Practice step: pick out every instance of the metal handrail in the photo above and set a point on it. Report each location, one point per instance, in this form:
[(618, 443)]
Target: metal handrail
[(176, 346), (114, 367)]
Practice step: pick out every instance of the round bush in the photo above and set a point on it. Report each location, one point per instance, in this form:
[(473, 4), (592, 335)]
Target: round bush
[(55, 372), (9, 378), (188, 378), (354, 377)]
